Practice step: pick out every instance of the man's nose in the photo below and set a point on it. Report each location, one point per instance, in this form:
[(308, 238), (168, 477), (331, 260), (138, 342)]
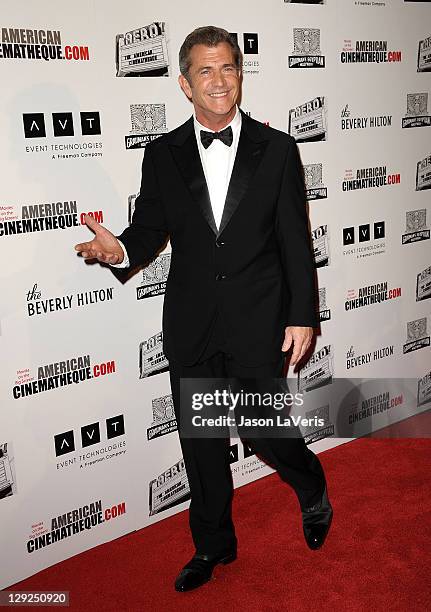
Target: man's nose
[(219, 79)]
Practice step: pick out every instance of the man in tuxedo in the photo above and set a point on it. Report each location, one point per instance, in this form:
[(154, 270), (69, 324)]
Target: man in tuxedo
[(229, 193)]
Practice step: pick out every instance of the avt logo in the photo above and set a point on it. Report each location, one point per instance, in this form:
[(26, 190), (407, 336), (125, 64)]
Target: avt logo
[(62, 124), (90, 434), (364, 233)]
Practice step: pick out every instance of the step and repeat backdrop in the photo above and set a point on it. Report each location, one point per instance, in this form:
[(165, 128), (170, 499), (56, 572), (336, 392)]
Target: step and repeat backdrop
[(88, 442)]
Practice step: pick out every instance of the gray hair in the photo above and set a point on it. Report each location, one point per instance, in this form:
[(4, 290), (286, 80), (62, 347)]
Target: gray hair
[(210, 36)]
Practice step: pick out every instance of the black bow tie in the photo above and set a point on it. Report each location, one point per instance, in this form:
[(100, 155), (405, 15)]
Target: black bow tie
[(225, 136)]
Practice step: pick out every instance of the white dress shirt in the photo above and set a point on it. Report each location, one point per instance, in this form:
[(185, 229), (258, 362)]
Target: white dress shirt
[(217, 163)]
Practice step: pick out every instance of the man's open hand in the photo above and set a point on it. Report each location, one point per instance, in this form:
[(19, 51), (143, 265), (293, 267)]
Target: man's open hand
[(104, 246), (301, 338)]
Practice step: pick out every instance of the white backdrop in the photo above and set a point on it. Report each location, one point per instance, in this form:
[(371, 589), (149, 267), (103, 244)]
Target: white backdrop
[(86, 423)]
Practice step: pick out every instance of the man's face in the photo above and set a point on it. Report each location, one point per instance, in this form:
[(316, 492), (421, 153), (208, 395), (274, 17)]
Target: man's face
[(214, 81)]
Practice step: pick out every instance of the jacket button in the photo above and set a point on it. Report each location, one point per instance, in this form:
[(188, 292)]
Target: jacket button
[(220, 277), (219, 243)]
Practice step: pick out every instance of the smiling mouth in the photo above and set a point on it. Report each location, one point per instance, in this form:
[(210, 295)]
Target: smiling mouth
[(219, 95)]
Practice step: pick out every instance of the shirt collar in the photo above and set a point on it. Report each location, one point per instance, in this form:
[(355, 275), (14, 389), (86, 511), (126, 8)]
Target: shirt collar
[(235, 124)]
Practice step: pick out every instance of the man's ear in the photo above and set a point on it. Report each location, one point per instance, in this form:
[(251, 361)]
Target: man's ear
[(185, 86)]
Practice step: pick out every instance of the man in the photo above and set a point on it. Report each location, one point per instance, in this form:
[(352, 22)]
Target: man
[(229, 193)]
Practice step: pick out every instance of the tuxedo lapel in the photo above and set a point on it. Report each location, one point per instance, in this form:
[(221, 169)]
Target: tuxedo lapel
[(251, 147), (186, 154)]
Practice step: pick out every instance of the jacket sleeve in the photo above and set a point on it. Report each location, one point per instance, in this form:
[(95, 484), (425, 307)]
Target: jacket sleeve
[(147, 233), (295, 243)]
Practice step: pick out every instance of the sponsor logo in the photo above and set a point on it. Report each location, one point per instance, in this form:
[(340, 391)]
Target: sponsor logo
[(318, 370), (376, 404), (371, 294), (320, 240), (59, 374), (32, 44), (62, 125), (169, 489), (306, 49), (315, 432), (152, 360), (369, 52), (37, 305), (417, 337), (423, 285), (354, 361), (416, 226), (154, 277), (423, 174), (142, 52), (307, 122), (148, 123), (42, 217), (370, 238), (89, 435), (164, 421), (362, 123), (424, 389), (324, 311), (368, 178), (314, 182), (416, 114), (424, 55), (72, 523)]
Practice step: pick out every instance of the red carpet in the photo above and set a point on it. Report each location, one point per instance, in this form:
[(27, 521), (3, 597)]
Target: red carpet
[(377, 555)]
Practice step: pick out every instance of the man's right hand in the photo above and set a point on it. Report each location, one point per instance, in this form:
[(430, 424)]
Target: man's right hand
[(104, 246)]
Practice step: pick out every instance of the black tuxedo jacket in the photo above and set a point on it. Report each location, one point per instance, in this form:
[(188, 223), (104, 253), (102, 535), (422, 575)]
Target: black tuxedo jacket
[(257, 270)]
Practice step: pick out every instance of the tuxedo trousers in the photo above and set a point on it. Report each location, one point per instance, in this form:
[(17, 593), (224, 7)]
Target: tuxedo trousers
[(207, 460)]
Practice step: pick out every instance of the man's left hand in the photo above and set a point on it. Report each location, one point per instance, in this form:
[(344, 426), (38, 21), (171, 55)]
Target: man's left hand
[(300, 337)]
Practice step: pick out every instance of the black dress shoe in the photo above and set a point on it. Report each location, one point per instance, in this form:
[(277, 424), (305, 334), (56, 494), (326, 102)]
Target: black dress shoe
[(316, 521), (200, 568)]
